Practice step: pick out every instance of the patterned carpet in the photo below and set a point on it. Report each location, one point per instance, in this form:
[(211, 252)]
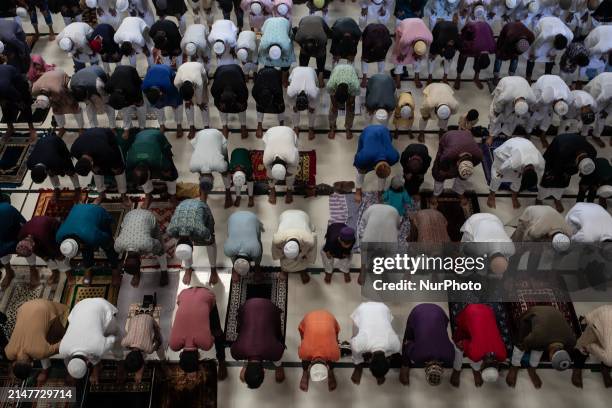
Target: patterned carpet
[(117, 211), (487, 162), (163, 213), (175, 390), (270, 287), (455, 214), (60, 208), (6, 380), (307, 169), (13, 160), (110, 392), (99, 287)]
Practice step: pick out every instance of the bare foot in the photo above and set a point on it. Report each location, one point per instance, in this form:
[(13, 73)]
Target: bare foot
[(54, 278), (244, 132), (559, 206), (116, 278), (577, 377), (599, 142), (535, 378), (491, 201), (237, 201), (515, 203), (358, 195), (225, 131), (311, 134), (305, 277), (421, 137), (179, 131), (477, 378), (304, 381), (331, 381), (349, 134), (259, 131), (289, 197), (251, 201), (192, 132), (279, 374), (478, 84), (228, 199), (328, 278), (511, 376), (455, 379), (347, 277), (135, 280), (417, 82), (187, 276), (331, 134), (457, 84), (272, 196), (214, 277)]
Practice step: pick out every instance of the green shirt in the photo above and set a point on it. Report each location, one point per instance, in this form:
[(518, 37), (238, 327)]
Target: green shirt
[(151, 147), (241, 158), (344, 74)]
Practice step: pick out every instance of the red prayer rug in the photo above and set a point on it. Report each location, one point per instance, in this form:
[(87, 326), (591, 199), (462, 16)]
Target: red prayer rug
[(307, 168)]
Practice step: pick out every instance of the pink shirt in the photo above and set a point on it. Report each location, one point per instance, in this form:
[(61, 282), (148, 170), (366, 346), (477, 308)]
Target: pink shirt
[(191, 328), (409, 31)]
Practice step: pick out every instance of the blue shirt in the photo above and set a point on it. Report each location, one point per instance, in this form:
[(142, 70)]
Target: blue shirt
[(398, 200), (90, 223), (375, 146), (12, 220), (243, 236), (162, 76)]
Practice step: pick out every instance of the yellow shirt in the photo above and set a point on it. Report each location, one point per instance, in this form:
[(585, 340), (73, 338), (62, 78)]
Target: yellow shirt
[(404, 99)]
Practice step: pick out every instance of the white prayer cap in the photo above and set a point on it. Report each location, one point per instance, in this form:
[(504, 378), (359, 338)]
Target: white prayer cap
[(465, 169), (381, 115), (499, 265), (41, 102), (278, 172), (1, 47), (190, 49), (479, 11), (69, 248), (586, 166), (561, 108), (511, 4), (560, 242), (242, 54), (406, 112), (291, 249), (318, 372), (534, 6), (65, 44), (490, 374), (91, 3), (452, 1), (122, 5), (242, 266), (239, 178), (183, 252), (604, 191), (282, 9), (443, 112), (521, 107), (219, 47), (21, 12), (77, 368), (256, 8), (274, 52)]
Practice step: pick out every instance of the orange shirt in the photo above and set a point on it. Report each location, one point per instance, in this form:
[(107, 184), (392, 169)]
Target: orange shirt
[(319, 331)]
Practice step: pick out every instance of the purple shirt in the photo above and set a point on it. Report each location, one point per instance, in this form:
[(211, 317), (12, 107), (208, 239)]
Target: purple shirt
[(426, 337), (477, 38)]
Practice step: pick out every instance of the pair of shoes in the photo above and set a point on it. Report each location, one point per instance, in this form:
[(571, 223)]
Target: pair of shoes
[(344, 187)]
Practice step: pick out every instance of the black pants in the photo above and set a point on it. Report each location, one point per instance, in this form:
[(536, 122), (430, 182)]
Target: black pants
[(548, 66), (305, 59), (461, 63), (413, 185), (217, 332), (588, 191), (227, 7)]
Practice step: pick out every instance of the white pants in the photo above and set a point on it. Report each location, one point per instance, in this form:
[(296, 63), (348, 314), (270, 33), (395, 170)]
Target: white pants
[(534, 357), (178, 115), (260, 117), (141, 112), (509, 176), (190, 113), (211, 251), (119, 179), (545, 192), (55, 182), (344, 264), (431, 64), (92, 115), (442, 123), (416, 65), (225, 118), (361, 178), (459, 186), (61, 120), (458, 363), (380, 65), (62, 265), (296, 119), (170, 185), (249, 184)]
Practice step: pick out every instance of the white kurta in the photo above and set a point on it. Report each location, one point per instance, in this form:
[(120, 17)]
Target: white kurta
[(195, 73), (381, 224), (488, 233), (303, 79), (92, 331), (132, 30), (295, 224), (209, 152), (77, 32), (572, 121), (545, 31), (590, 222), (502, 118), (280, 142), (547, 89), (372, 331), (226, 31), (511, 158), (197, 34), (248, 41), (600, 89)]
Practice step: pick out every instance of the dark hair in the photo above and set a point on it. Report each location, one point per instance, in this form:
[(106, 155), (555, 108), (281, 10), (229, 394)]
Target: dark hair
[(22, 369), (529, 179), (160, 39), (131, 264), (184, 240), (560, 42), (134, 361), (342, 94), (153, 94), (254, 374), (79, 93), (83, 166), (582, 60), (472, 115), (187, 90), (301, 101), (189, 361), (379, 365), (587, 117), (39, 173), (126, 48), (141, 173)]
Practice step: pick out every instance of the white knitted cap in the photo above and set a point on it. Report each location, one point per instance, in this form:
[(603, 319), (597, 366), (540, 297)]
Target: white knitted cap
[(1, 47), (242, 266), (282, 9), (490, 374), (122, 5), (480, 11), (443, 112), (406, 112), (278, 172), (291, 249), (77, 368), (534, 6), (190, 49), (91, 3), (242, 54), (183, 252), (219, 47), (466, 169), (21, 12), (274, 52), (256, 8), (586, 166), (65, 44), (381, 115), (561, 108), (42, 102), (511, 4), (521, 107), (604, 191), (560, 242), (318, 372), (239, 178), (69, 248)]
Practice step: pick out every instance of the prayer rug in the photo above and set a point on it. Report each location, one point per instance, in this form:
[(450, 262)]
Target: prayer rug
[(117, 211), (163, 211), (271, 286), (100, 287), (487, 162), (13, 160), (45, 205), (149, 284), (501, 316), (455, 214), (307, 168), (177, 390), (7, 379), (111, 392), (57, 379), (17, 294)]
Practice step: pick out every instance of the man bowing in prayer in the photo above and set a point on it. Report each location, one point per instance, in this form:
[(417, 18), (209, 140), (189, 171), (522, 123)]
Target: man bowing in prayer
[(295, 243)]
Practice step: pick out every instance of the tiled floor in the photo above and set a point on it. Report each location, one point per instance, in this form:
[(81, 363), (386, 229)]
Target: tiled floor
[(334, 162)]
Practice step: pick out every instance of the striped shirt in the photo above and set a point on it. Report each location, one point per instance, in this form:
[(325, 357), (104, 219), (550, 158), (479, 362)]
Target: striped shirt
[(143, 334)]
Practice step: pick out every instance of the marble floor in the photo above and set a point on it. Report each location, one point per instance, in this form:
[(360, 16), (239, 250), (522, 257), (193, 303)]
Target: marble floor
[(334, 163)]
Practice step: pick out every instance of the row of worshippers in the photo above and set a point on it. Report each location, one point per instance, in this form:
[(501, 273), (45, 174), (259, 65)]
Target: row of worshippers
[(93, 333)]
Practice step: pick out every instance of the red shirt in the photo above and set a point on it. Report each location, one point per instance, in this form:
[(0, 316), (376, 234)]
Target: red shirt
[(319, 331), (191, 328), (477, 333), (42, 229)]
